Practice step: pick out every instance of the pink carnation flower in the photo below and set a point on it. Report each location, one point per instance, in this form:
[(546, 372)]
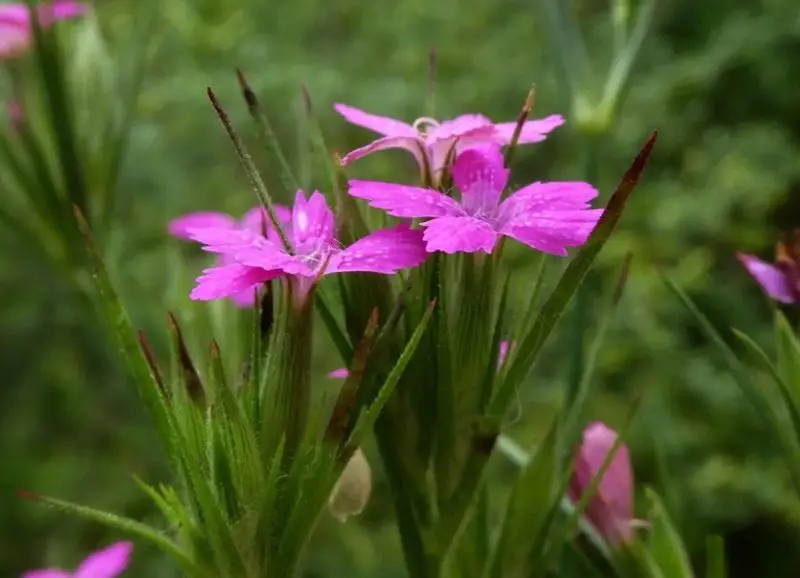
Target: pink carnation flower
[(15, 23), (546, 216), (610, 509), (253, 259), (107, 563), (431, 141), (255, 221), (780, 280)]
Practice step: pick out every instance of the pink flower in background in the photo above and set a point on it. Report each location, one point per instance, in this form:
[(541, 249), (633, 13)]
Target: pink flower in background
[(780, 280), (431, 141), (610, 509), (15, 23), (502, 352), (254, 221), (15, 114), (253, 259), (107, 563), (548, 217)]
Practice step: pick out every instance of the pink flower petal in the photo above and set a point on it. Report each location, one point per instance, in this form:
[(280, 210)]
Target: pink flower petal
[(553, 231), (340, 373), (404, 201), (415, 145), (772, 280), (380, 124), (532, 131), (106, 563), (245, 299), (14, 39), (256, 218), (462, 133), (386, 251), (550, 217), (180, 227), (54, 573), (611, 508), (460, 126), (573, 194), (226, 241), (481, 178), (312, 220), (502, 353), (459, 234), (229, 280)]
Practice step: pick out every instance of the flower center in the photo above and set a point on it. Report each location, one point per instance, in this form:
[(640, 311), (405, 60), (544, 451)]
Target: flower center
[(424, 123)]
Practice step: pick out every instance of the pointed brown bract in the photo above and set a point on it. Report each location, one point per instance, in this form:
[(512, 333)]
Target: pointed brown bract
[(26, 495), (249, 96), (521, 119), (191, 379), (340, 420), (151, 361)]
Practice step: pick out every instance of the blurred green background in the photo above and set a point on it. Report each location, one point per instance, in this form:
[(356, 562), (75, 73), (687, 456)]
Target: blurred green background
[(717, 78)]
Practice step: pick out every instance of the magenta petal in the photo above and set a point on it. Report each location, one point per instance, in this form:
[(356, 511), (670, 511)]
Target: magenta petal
[(312, 220), (574, 194), (54, 573), (229, 280), (415, 145), (380, 124), (459, 235), (63, 9), (481, 178), (13, 39), (554, 231), (386, 251), (532, 131), (502, 353), (404, 201), (340, 373), (256, 218), (610, 510), (220, 240), (460, 126), (772, 280), (106, 563), (205, 219)]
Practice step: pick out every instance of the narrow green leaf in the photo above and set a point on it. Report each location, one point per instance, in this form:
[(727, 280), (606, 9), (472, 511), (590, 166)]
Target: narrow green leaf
[(116, 315), (664, 543), (48, 56), (367, 419), (267, 134), (574, 412), (522, 358), (250, 168), (532, 497), (127, 525), (715, 557)]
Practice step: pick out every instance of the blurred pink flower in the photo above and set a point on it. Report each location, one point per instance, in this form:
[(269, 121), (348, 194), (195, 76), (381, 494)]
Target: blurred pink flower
[(548, 217), (502, 353), (431, 141), (255, 221), (253, 259), (610, 509), (107, 563), (780, 280), (15, 114), (15, 23)]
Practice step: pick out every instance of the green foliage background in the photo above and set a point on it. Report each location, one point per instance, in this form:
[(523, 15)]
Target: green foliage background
[(717, 78)]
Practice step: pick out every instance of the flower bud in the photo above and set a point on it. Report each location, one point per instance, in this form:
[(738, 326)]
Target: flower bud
[(353, 488), (610, 509)]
